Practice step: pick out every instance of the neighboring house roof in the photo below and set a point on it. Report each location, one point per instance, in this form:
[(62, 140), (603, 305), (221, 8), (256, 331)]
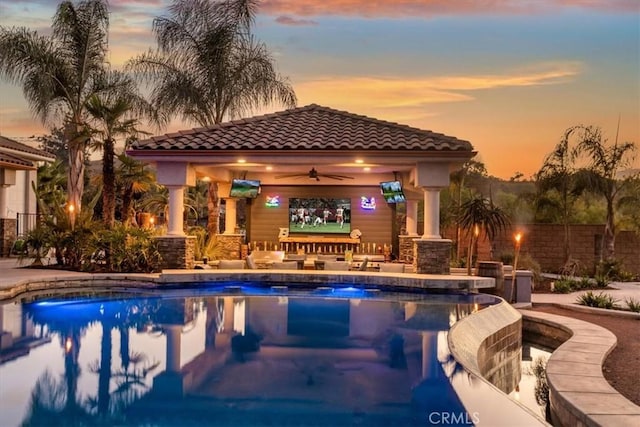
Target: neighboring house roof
[(312, 127), (14, 162), (18, 154)]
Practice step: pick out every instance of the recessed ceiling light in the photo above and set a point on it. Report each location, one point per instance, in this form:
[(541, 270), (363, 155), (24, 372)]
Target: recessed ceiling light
[(269, 168), (367, 169), (242, 161), (359, 161), (206, 179)]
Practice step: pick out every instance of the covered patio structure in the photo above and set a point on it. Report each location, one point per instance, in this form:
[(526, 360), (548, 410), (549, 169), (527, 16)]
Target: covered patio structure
[(312, 151)]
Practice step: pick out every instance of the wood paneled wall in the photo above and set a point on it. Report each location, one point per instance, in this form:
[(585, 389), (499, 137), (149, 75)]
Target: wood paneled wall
[(375, 225)]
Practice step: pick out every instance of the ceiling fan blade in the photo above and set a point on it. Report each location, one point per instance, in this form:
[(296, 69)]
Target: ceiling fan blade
[(338, 177), (293, 175)]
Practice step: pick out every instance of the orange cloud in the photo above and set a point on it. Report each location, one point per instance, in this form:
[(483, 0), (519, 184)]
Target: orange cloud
[(288, 20), (356, 93), (422, 8)]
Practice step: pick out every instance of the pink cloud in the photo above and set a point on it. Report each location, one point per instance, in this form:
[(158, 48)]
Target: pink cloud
[(407, 8), (288, 20)]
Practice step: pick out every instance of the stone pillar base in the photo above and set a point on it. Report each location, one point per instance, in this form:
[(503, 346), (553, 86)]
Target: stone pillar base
[(405, 251), (231, 245), (432, 256), (7, 235), (177, 251)]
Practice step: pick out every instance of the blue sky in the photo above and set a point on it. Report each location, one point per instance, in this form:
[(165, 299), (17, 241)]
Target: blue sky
[(508, 75)]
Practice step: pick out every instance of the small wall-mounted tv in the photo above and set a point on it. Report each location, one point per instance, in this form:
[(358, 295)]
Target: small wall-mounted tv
[(245, 188), (319, 215), (392, 192)]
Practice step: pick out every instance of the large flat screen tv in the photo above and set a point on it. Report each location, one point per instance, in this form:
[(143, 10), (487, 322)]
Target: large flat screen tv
[(319, 215), (245, 188), (392, 191)]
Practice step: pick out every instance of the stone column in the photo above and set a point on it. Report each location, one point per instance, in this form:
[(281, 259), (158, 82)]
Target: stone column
[(432, 253), (174, 338), (230, 216), (432, 256), (231, 245), (405, 250), (431, 213), (430, 365), (3, 201), (176, 210), (177, 251), (8, 235), (412, 218)]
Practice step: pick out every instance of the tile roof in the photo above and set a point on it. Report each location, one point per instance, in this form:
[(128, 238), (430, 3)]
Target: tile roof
[(18, 146), (15, 162), (312, 127)]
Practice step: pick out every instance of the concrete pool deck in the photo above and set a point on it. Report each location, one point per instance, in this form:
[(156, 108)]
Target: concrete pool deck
[(583, 393)]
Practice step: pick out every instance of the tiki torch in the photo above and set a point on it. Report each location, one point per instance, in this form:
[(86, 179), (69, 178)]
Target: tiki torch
[(518, 237)]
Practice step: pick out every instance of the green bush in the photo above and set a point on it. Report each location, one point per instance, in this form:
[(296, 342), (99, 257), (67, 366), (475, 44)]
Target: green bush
[(123, 249), (600, 300), (633, 304), (611, 270), (564, 286), (507, 258), (526, 262), (584, 283), (541, 389)]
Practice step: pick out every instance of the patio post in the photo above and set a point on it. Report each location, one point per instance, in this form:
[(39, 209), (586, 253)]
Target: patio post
[(176, 248), (432, 253), (412, 217), (431, 213), (176, 210)]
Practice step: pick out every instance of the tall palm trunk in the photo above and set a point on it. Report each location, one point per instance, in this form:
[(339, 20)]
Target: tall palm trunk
[(75, 185), (109, 184), (609, 238), (104, 375), (213, 207), (127, 203)]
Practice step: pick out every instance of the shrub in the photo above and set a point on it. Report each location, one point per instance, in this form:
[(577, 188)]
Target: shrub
[(611, 270), (538, 369), (600, 300), (507, 258), (563, 286), (123, 249), (584, 283), (36, 244), (526, 262), (633, 304)]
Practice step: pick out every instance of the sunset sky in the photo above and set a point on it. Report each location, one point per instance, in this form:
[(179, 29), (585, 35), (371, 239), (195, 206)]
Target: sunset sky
[(508, 75)]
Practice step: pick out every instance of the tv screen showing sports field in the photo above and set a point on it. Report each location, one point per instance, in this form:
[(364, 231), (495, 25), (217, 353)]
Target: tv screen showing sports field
[(319, 215), (392, 191), (245, 188)]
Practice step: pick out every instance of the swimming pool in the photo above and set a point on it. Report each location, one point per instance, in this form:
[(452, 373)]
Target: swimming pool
[(238, 354)]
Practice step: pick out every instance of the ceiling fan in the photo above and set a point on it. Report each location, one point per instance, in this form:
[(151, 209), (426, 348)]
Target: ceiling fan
[(314, 175)]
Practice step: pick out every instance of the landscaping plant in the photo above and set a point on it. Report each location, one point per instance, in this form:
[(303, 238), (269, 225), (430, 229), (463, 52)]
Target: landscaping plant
[(600, 300), (633, 304)]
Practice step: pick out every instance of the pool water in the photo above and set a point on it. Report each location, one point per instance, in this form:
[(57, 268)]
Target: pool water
[(237, 355)]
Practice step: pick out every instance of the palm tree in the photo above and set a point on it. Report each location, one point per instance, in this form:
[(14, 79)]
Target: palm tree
[(472, 170), (133, 177), (481, 214), (59, 73), (558, 176), (208, 67), (115, 114), (603, 177)]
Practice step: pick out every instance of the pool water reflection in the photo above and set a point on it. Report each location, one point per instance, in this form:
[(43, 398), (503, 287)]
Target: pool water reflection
[(235, 357)]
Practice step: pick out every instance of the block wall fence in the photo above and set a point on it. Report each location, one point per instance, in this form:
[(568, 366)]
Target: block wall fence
[(544, 242)]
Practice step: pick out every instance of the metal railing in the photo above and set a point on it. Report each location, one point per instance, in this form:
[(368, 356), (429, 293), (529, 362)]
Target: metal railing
[(27, 222)]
